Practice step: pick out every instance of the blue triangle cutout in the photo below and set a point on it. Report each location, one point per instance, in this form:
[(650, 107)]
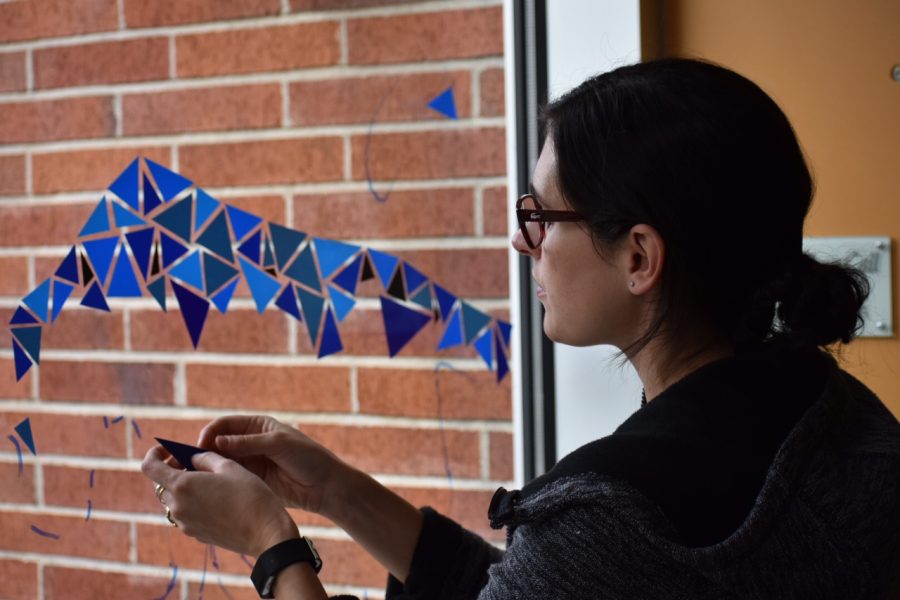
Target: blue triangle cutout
[(446, 300), (216, 272), (94, 298), (217, 238), (169, 182), (177, 218), (384, 264), (262, 286), (126, 185), (222, 299), (23, 363), (206, 206), (151, 199), (312, 310), (444, 103), (401, 324), (242, 222), (193, 309), (250, 248), (414, 277), (485, 345), (349, 277), (22, 317), (38, 299), (505, 331), (61, 292), (68, 269), (332, 254), (171, 250), (304, 270), (286, 242), (473, 321), (423, 298), (140, 242), (101, 254), (502, 366), (189, 270), (158, 291), (453, 334), (30, 338), (124, 217), (287, 302), (24, 431), (98, 222), (331, 339), (343, 303), (124, 283)]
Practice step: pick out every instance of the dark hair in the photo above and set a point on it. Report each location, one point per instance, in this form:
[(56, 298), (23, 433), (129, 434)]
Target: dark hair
[(705, 157)]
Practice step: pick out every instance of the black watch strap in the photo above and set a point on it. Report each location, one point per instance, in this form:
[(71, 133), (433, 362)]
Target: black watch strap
[(277, 558)]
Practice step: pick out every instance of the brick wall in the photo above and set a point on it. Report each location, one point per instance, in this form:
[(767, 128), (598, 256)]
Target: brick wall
[(274, 106)]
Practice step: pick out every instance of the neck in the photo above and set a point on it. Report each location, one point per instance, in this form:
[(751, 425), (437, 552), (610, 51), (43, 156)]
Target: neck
[(659, 366)]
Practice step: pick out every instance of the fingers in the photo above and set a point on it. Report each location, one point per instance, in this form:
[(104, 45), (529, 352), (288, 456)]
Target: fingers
[(156, 468), (230, 425), (259, 444), (210, 461)]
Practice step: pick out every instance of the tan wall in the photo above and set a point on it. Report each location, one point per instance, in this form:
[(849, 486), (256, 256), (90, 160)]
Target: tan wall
[(828, 64)]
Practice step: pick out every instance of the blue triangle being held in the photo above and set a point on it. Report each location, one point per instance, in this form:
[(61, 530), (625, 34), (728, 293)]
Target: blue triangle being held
[(222, 298), (193, 309), (151, 199), (126, 185), (206, 206), (414, 278), (286, 241), (217, 238), (98, 222), (332, 254), (263, 286), (446, 300), (170, 183), (183, 453), (303, 270), (61, 292), (401, 324), (158, 291), (38, 300), (473, 321), (124, 284), (312, 311), (242, 222), (342, 303), (30, 338), (171, 250), (189, 270), (101, 254), (141, 242), (124, 217), (453, 334), (216, 272), (444, 103), (485, 345), (177, 218), (23, 363), (384, 265), (502, 365), (24, 431), (22, 317), (349, 277), (68, 269), (250, 248), (94, 298), (331, 339), (287, 302)]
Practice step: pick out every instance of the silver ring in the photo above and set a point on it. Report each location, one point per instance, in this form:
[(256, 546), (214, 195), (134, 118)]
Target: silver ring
[(169, 517), (159, 491)]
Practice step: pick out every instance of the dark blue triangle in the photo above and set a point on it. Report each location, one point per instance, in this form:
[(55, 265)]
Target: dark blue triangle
[(171, 250), (22, 317), (242, 222), (304, 270), (168, 182), (177, 218), (94, 298), (141, 242), (124, 217), (505, 331), (189, 270), (151, 199), (453, 334), (124, 284), (269, 259), (222, 298), (332, 254), (206, 206), (473, 321), (287, 302), (158, 291), (446, 300), (126, 185), (101, 254), (384, 265), (193, 309), (286, 241), (30, 338), (68, 269), (401, 324), (502, 366), (414, 278), (349, 277), (485, 346), (98, 222), (217, 238), (444, 103), (216, 272), (24, 431), (331, 339), (183, 453), (61, 292), (312, 311), (38, 299), (23, 363), (250, 248), (263, 286)]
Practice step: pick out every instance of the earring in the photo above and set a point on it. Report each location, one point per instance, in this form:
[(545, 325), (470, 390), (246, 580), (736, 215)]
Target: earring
[(631, 284)]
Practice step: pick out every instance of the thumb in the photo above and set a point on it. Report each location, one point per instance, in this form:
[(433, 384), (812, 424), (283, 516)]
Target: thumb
[(240, 446), (209, 461)]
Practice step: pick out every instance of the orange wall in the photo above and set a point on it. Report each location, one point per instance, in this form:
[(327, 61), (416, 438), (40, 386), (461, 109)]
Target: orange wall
[(828, 64)]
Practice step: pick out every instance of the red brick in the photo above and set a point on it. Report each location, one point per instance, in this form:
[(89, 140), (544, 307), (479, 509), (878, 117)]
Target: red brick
[(405, 214), (14, 487), (102, 382), (501, 461), (160, 13), (19, 579), (50, 18), (269, 208), (85, 329), (493, 103), (426, 36), (42, 225), (260, 49), (302, 160), (70, 435), (128, 491), (212, 590), (65, 119), (466, 507), (207, 109), (243, 331), (142, 59), (494, 211), (12, 175), (378, 99), (12, 72), (445, 394), (161, 544), (9, 387), (181, 430), (401, 450), (298, 389), (430, 154), (61, 583), (304, 5), (90, 539), (86, 169), (346, 563), (13, 275)]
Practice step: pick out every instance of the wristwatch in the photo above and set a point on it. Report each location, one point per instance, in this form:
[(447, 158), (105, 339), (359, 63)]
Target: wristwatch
[(277, 558)]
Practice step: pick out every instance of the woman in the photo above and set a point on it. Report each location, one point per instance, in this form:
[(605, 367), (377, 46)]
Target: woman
[(666, 218)]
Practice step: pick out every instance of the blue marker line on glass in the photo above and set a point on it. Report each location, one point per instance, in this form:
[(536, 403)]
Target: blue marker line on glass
[(171, 585), (212, 555), (137, 430), (246, 561), (203, 577), (117, 419), (39, 531), (18, 454), (91, 479), (90, 506), (105, 423), (224, 589)]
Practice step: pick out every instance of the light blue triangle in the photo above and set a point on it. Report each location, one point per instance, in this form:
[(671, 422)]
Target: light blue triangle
[(484, 345), (127, 184), (98, 222), (304, 270), (101, 254), (124, 283), (222, 299), (384, 265), (263, 286), (158, 291), (170, 183), (312, 312), (61, 292), (444, 103), (124, 217), (343, 303), (332, 255), (242, 222), (38, 299), (189, 270), (206, 206), (453, 334), (473, 321)]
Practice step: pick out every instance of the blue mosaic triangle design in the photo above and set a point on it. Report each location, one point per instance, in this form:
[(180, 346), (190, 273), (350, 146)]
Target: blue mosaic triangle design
[(98, 222), (217, 239), (446, 300), (444, 103), (287, 302), (452, 334), (38, 300), (177, 218), (171, 250), (312, 312), (151, 198), (401, 324), (141, 242), (22, 317), (94, 298), (124, 218), (423, 298), (473, 321), (126, 185), (189, 270), (332, 255), (30, 338), (193, 310), (349, 277), (170, 184), (286, 241), (158, 291), (223, 298), (414, 277), (263, 286), (216, 272), (331, 339), (484, 345), (502, 365), (250, 248), (505, 331), (384, 265), (23, 363), (206, 206), (124, 284), (24, 431), (303, 270), (61, 293), (68, 269), (101, 254), (269, 259), (342, 303), (242, 222)]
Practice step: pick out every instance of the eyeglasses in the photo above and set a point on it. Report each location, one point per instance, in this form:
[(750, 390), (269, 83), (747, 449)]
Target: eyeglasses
[(532, 218)]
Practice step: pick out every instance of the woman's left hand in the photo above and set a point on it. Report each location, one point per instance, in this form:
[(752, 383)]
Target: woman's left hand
[(221, 503)]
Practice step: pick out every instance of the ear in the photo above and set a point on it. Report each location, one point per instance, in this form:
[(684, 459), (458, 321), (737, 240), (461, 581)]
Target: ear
[(646, 255)]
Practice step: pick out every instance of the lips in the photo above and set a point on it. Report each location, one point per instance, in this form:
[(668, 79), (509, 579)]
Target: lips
[(540, 288)]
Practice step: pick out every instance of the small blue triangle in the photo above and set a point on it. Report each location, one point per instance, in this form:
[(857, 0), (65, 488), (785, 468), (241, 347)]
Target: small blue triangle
[(502, 366), (222, 299), (473, 321), (304, 270), (124, 217), (312, 310), (158, 291), (216, 272), (331, 339), (242, 222), (23, 363), (423, 298), (61, 292), (140, 242), (177, 218), (287, 302), (453, 334), (98, 222), (38, 299), (343, 303), (193, 310), (263, 286), (101, 254), (269, 259), (94, 298), (250, 248), (24, 431), (151, 199), (349, 277), (170, 183), (505, 331), (286, 242), (206, 206), (446, 300), (124, 283), (384, 264), (126, 185), (189, 270), (414, 278), (444, 103), (30, 338), (171, 250), (332, 254), (401, 324), (485, 345), (68, 269), (22, 317), (217, 239)]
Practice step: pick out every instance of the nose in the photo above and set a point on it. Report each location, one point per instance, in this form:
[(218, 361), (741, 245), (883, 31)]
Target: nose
[(519, 245)]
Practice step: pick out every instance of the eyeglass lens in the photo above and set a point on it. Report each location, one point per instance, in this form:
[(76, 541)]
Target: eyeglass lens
[(532, 229)]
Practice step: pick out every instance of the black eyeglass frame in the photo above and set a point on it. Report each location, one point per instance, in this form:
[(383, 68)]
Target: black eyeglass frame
[(541, 216)]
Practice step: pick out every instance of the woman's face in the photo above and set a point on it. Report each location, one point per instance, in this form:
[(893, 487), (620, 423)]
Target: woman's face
[(585, 297)]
